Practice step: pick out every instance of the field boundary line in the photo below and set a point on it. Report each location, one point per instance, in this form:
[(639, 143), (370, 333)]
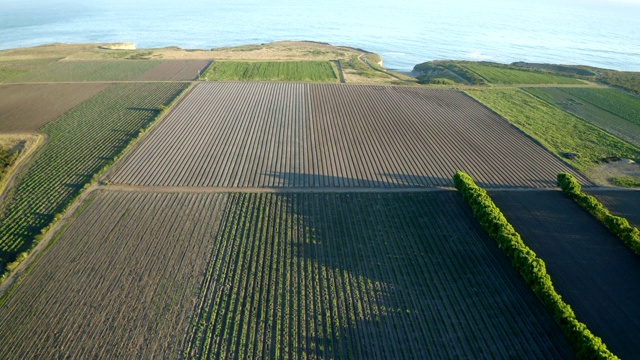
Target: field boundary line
[(263, 190), (315, 190)]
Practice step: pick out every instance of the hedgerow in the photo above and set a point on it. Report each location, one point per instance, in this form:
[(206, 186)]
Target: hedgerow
[(619, 226), (531, 267)]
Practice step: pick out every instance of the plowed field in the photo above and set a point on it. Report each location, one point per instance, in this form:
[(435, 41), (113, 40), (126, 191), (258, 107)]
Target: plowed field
[(621, 203), (25, 108), (591, 269), (325, 135), (176, 70), (144, 275)]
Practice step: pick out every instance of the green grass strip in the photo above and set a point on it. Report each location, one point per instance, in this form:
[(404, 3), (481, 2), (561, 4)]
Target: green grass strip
[(560, 132), (303, 71), (531, 267), (619, 226)]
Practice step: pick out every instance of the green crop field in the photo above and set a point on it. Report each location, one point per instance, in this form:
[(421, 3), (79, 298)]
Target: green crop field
[(565, 99), (503, 75), (558, 131), (80, 143), (617, 102), (271, 276), (314, 71), (10, 69), (89, 71)]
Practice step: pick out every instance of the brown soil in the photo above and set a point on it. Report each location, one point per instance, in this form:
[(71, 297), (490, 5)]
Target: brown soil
[(604, 173), (591, 269), (27, 107), (176, 70), (317, 135)]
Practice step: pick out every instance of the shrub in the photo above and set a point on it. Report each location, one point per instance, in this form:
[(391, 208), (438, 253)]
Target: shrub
[(530, 266)]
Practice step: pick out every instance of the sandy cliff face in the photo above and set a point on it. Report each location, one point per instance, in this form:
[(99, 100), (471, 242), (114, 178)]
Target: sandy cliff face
[(118, 46)]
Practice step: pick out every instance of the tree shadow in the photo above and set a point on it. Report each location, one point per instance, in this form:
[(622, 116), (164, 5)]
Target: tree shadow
[(391, 181)]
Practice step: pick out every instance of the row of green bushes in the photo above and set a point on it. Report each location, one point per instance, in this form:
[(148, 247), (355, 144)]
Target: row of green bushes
[(531, 267), (619, 226)]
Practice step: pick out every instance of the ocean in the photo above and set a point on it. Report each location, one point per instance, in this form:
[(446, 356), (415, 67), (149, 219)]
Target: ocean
[(405, 32)]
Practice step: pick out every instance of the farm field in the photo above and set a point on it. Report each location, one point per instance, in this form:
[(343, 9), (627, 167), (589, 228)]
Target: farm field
[(276, 276), (80, 143), (564, 99), (558, 131), (104, 70), (324, 135), (316, 71), (591, 269), (617, 102), (504, 75), (109, 288), (620, 203), (176, 70), (12, 68), (27, 107)]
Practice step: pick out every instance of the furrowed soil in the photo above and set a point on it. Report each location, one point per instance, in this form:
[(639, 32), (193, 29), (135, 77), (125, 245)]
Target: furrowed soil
[(144, 275), (176, 70), (591, 269), (119, 283), (325, 135), (27, 107), (621, 203)]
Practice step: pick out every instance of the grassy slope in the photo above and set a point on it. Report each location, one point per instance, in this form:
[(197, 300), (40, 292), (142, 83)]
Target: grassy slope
[(80, 143), (318, 71), (555, 129), (503, 75), (602, 118)]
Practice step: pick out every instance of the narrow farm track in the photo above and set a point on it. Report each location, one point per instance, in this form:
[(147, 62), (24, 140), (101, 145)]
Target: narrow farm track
[(275, 276), (334, 135)]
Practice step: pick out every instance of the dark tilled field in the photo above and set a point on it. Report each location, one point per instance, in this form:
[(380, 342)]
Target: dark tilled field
[(176, 70), (25, 108), (621, 203), (593, 271), (325, 135)]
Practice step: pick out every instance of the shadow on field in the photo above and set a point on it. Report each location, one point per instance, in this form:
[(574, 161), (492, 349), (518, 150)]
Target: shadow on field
[(367, 288), (299, 180), (152, 110)]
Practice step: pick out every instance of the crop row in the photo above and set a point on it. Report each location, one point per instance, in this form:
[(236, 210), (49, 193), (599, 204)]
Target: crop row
[(119, 282), (80, 143), (271, 71), (275, 276), (326, 135), (362, 276)]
